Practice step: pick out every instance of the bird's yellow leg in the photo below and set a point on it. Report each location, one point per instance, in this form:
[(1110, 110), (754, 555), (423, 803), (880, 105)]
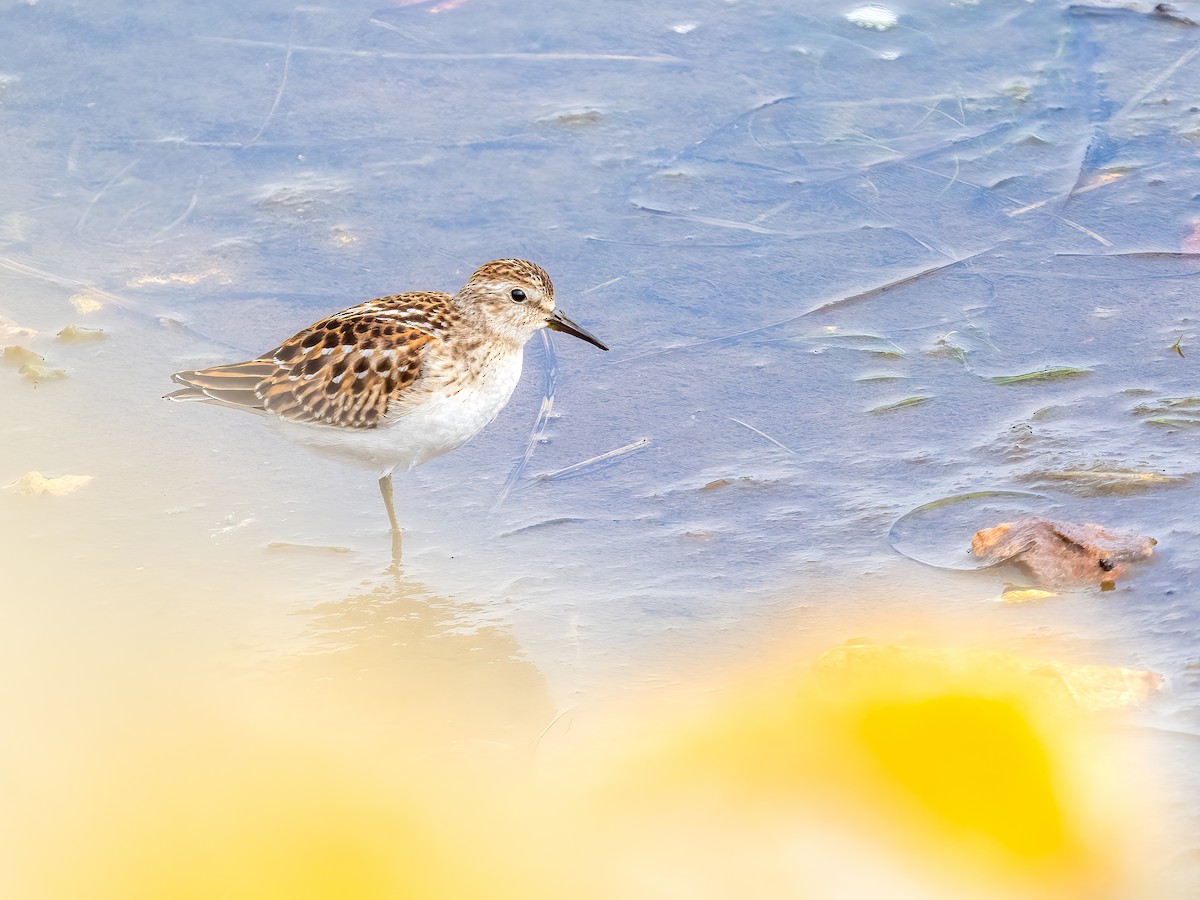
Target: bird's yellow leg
[(385, 488)]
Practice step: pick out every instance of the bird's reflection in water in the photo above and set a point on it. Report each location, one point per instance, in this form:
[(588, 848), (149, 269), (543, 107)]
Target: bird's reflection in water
[(423, 673), (378, 762)]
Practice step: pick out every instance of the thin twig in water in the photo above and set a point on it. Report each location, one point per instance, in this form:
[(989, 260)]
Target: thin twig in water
[(182, 216), (762, 434), (1156, 82), (104, 190), (773, 211), (185, 142), (1138, 254), (604, 284), (539, 423), (132, 306), (131, 212), (1101, 240), (824, 307), (287, 65), (546, 730), (951, 182), (7, 262), (941, 112), (603, 457), (451, 57), (714, 222), (899, 282), (1079, 188)]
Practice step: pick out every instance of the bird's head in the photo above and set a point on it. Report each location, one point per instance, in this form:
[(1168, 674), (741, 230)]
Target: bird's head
[(516, 297)]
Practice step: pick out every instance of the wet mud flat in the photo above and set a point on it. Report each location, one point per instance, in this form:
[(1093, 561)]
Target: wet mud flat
[(850, 266)]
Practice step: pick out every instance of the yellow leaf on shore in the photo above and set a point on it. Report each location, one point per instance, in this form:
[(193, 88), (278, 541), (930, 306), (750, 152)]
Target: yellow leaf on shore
[(37, 483)]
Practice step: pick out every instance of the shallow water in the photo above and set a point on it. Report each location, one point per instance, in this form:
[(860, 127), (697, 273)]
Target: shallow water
[(788, 227)]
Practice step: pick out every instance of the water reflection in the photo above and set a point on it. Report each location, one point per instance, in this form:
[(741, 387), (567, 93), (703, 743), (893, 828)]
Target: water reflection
[(427, 672)]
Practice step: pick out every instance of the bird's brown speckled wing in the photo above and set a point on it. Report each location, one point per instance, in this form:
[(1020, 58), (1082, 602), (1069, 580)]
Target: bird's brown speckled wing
[(345, 370)]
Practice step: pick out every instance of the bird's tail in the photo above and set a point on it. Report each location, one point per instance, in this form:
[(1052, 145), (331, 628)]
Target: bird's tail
[(234, 385)]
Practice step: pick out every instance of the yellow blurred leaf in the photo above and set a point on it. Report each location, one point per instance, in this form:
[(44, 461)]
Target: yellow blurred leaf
[(1091, 688), (1012, 595)]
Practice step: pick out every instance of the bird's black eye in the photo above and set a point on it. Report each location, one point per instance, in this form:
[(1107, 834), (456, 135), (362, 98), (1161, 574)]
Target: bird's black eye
[(518, 295)]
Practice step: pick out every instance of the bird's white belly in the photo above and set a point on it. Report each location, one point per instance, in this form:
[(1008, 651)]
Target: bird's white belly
[(438, 425)]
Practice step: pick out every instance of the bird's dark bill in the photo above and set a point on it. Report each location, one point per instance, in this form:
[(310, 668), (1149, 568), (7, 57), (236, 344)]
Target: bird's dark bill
[(559, 322)]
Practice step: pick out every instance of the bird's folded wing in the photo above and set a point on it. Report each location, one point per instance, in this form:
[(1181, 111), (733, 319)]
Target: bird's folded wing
[(341, 371)]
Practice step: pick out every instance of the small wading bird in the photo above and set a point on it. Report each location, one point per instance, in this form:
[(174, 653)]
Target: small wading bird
[(394, 382)]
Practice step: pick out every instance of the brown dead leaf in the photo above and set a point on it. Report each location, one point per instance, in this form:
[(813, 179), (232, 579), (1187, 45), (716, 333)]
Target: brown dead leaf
[(1063, 553)]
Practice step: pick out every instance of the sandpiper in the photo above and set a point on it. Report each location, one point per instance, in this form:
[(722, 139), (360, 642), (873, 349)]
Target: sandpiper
[(394, 382)]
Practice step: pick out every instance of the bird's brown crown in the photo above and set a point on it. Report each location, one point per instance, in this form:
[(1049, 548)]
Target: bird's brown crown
[(513, 270)]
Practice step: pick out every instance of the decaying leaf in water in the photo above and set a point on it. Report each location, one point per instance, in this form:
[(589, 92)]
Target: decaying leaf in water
[(574, 118), (1173, 422), (37, 483), (79, 334), (1060, 374), (86, 303), (179, 278), (20, 356), (1115, 476), (36, 372), (1099, 481), (1063, 553), (1170, 412), (740, 481), (1091, 688), (1165, 404), (898, 405), (31, 365), (868, 343), (947, 348)]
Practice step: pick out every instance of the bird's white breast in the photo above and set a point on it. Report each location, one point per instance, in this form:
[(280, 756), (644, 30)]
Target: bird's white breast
[(441, 422)]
